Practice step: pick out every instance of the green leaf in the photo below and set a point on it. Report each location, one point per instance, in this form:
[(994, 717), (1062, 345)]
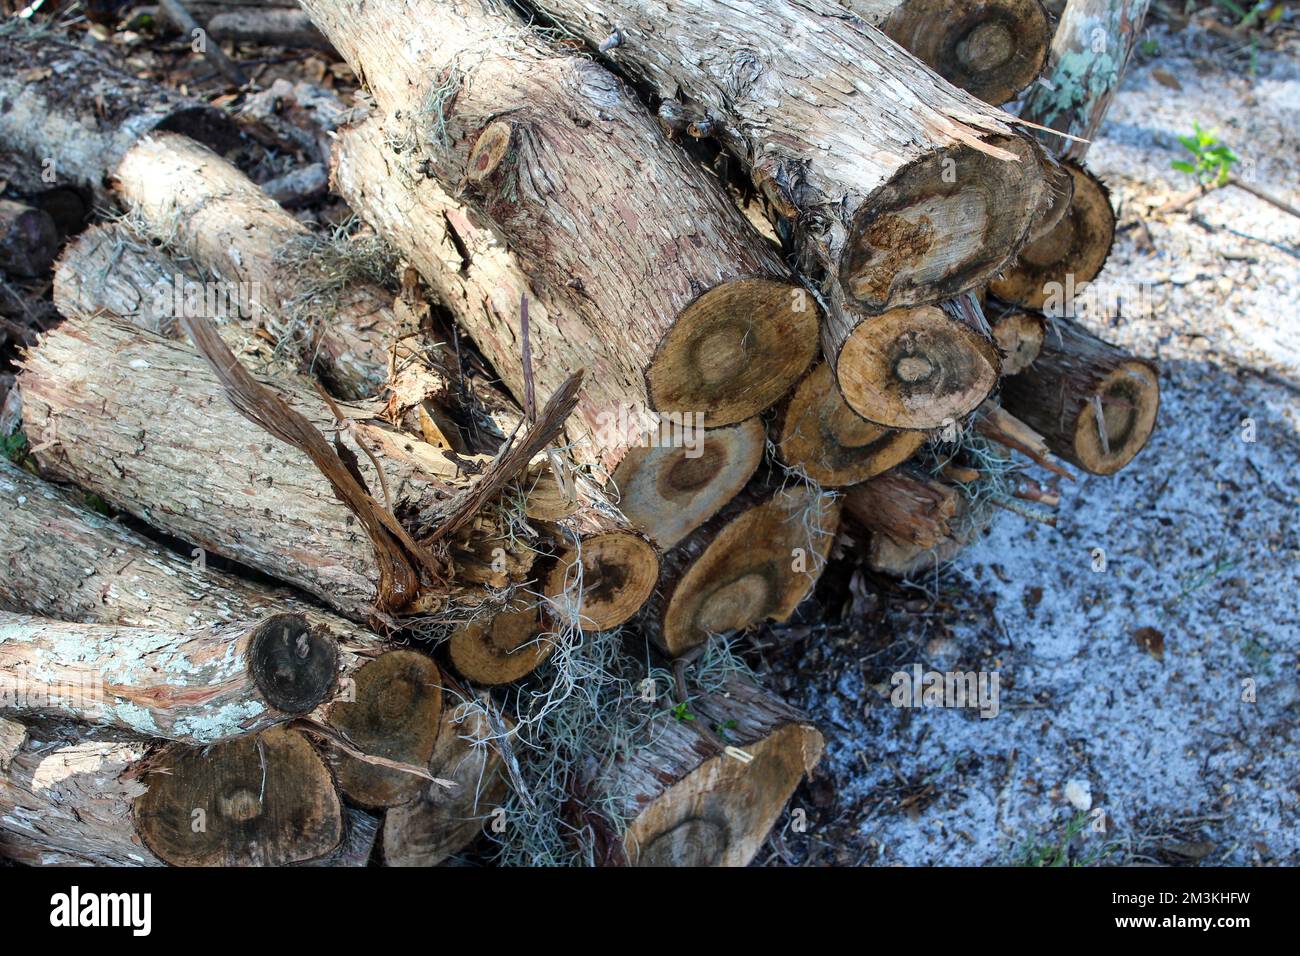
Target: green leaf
[(1183, 167)]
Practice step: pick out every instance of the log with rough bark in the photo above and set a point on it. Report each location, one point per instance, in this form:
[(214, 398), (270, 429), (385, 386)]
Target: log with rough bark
[(75, 116), (640, 267), (693, 796), (992, 49), (184, 193), (197, 686), (144, 423), (1090, 51), (916, 522), (1094, 403), (820, 434), (1019, 335), (666, 479), (28, 240), (442, 821), (1053, 268), (94, 798), (755, 561), (850, 137)]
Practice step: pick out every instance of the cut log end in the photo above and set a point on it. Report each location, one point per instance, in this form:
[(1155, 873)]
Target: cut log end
[(1129, 398), (265, 800), (294, 665), (670, 489), (611, 582), (941, 226), (1070, 254), (1019, 337), (915, 369), (502, 649), (392, 713), (734, 351), (833, 444), (719, 813), (993, 50), (762, 563)]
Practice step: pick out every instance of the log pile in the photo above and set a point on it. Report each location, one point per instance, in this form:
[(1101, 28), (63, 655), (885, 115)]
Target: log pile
[(306, 564)]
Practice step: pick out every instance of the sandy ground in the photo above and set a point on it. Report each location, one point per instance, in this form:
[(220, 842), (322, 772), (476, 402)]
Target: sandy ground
[(1201, 549)]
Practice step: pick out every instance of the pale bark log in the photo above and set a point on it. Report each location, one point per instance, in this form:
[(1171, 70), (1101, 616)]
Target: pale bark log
[(1090, 52), (90, 798), (845, 132), (662, 492), (75, 116), (992, 49), (690, 795), (144, 423), (646, 274)]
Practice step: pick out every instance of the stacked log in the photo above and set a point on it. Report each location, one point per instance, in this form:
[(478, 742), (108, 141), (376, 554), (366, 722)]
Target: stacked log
[(407, 563)]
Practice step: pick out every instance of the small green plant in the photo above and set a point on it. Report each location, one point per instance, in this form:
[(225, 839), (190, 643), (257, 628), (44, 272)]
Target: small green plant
[(682, 712), (1213, 161), (14, 447), (1056, 853), (1150, 47)]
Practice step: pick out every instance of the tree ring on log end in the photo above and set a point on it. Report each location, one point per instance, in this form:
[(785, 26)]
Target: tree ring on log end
[(679, 826), (833, 444), (261, 800), (941, 226), (490, 150), (1019, 336), (734, 351), (694, 842), (915, 369), (393, 713), (502, 649), (993, 49), (293, 665), (670, 489), (617, 575), (760, 565), (1130, 401), (1067, 256)]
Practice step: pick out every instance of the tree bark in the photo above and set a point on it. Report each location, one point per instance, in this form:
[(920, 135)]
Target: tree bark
[(28, 240), (198, 686), (690, 795), (652, 478), (855, 166), (755, 561), (1090, 52), (819, 434), (914, 521), (1094, 404), (992, 49), (74, 116), (93, 798), (144, 423), (645, 272), (192, 198)]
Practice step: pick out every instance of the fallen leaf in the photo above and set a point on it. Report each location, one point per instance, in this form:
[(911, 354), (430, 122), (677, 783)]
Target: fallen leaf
[(1165, 78), (1151, 641)]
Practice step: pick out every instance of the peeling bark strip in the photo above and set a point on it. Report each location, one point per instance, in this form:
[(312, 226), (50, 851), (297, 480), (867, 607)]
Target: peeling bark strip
[(665, 479), (93, 798), (144, 423), (1090, 52), (899, 189), (992, 49), (1094, 403), (646, 273), (694, 795), (196, 686), (74, 116)]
